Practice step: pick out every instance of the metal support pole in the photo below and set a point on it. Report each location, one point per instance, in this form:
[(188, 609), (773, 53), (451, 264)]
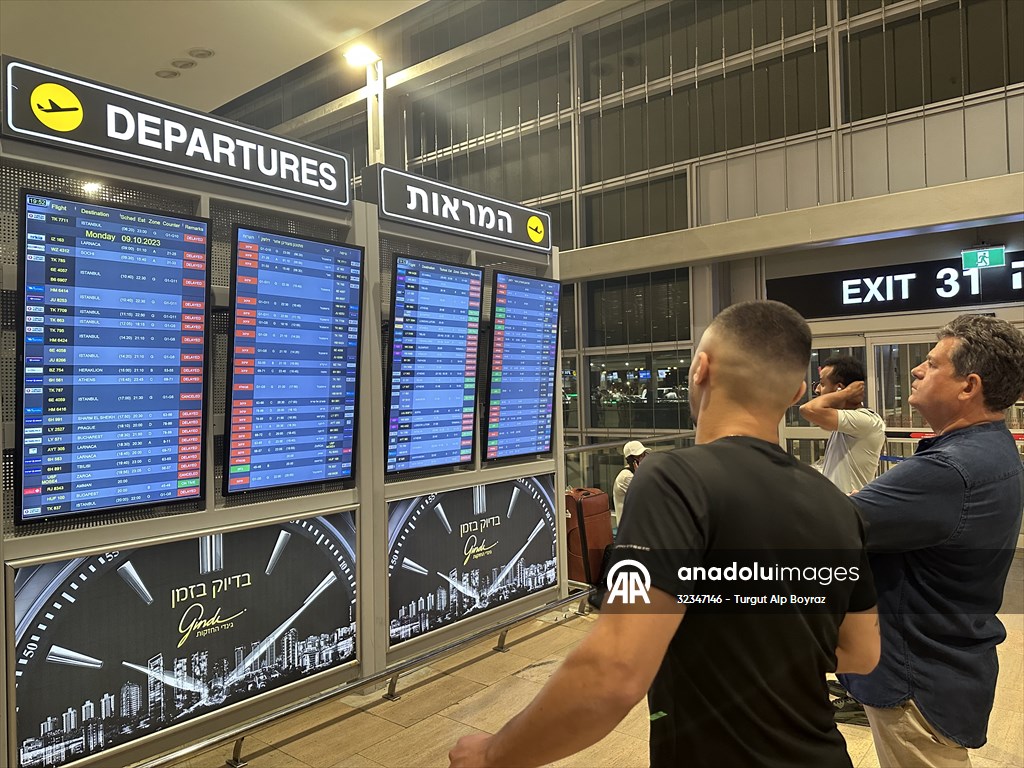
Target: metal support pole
[(236, 760), (500, 647), (392, 686), (375, 112)]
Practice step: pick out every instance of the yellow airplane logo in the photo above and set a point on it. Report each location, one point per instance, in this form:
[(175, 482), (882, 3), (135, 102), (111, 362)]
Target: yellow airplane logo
[(535, 228), (56, 107)]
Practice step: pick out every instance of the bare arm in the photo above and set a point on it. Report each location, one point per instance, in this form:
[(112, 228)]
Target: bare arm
[(824, 409), (860, 643), (587, 696)]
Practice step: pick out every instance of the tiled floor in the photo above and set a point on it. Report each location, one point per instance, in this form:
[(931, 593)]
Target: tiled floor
[(478, 690)]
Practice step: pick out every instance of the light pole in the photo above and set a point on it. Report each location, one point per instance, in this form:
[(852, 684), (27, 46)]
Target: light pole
[(361, 56)]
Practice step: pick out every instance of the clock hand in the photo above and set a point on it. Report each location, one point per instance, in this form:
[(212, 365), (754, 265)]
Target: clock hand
[(467, 591), (168, 678), (508, 568), (270, 639), (60, 655)]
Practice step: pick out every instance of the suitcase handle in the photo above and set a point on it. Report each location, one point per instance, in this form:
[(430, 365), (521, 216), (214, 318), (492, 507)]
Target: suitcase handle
[(581, 527)]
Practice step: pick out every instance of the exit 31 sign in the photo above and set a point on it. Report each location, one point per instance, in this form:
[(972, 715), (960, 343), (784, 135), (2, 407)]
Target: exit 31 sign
[(945, 284)]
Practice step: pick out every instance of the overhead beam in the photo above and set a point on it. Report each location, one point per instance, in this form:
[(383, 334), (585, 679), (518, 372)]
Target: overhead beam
[(980, 202)]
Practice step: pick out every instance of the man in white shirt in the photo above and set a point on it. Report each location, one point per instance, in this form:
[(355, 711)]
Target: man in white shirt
[(634, 452), (851, 455)]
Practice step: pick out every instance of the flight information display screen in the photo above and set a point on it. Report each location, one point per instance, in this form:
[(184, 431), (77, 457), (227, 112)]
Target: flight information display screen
[(294, 361), (112, 349), (432, 392), (524, 353)]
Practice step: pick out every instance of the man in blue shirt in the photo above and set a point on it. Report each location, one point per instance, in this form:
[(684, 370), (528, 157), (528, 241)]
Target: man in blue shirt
[(941, 529)]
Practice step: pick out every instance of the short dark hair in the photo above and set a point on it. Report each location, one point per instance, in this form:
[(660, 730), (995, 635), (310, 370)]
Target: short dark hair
[(994, 350), (845, 369), (769, 330)]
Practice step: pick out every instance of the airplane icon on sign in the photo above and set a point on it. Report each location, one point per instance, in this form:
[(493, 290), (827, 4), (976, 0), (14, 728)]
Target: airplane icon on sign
[(54, 107)]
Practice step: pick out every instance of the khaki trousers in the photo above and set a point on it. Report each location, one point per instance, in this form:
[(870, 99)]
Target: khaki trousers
[(904, 739)]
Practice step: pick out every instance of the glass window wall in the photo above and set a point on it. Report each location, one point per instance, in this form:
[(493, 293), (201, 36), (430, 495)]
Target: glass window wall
[(639, 309), (642, 391), (570, 394), (946, 53), (627, 51), (646, 208), (893, 364), (773, 99), (489, 99)]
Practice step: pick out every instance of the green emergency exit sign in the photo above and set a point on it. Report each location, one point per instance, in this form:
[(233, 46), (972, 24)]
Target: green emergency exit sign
[(980, 258)]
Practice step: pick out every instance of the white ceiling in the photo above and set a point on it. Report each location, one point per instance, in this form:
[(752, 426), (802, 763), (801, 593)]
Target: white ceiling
[(123, 42)]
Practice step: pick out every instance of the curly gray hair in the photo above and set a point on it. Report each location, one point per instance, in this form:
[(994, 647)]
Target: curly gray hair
[(994, 350)]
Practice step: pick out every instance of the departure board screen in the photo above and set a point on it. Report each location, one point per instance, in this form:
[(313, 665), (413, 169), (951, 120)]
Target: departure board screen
[(432, 392), (524, 353), (112, 346), (294, 361)]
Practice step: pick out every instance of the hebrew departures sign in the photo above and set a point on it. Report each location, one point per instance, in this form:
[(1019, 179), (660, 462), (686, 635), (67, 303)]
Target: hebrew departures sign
[(413, 199)]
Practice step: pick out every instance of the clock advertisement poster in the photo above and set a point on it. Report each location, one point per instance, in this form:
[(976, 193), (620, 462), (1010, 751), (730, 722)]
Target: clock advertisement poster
[(455, 554), (115, 646)]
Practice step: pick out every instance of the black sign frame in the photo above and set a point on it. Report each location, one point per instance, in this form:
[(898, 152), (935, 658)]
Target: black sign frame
[(896, 288), (441, 206), (159, 130)]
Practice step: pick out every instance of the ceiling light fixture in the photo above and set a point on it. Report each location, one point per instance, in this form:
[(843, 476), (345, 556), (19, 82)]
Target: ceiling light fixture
[(360, 56), (167, 74), (184, 64), (200, 53)]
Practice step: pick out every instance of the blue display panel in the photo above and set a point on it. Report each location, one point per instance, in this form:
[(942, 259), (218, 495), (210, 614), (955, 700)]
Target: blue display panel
[(524, 353), (112, 349), (294, 361), (432, 390)]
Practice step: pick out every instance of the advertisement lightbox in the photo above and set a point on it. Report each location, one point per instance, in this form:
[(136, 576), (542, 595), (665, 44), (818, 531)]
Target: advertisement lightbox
[(456, 554), (112, 647)]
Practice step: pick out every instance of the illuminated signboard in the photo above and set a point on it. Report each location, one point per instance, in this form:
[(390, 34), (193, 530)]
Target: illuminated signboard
[(159, 635), (455, 554), (294, 361), (406, 197), (524, 355), (944, 284), (111, 351), (50, 107), (432, 383)]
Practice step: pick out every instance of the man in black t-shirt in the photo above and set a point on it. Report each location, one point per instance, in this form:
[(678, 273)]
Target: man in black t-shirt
[(733, 518)]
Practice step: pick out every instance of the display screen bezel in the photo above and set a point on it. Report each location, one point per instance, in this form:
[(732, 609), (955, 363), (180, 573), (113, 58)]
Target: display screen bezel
[(23, 194), (344, 482), (391, 371), (486, 417)]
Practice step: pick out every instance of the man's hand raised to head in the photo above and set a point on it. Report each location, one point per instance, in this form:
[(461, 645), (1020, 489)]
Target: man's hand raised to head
[(855, 392)]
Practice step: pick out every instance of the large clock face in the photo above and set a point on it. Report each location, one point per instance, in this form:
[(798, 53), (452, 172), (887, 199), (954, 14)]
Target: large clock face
[(457, 553), (114, 646)]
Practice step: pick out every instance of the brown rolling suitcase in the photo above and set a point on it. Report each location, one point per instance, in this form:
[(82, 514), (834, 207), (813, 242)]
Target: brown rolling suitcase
[(588, 528)]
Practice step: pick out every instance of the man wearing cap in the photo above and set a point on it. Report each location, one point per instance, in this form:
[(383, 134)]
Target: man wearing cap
[(634, 452)]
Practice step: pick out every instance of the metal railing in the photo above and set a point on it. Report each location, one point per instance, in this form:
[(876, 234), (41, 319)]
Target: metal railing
[(597, 464)]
